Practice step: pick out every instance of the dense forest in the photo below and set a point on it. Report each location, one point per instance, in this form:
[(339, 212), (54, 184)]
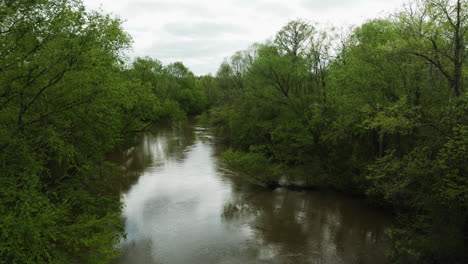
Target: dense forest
[(379, 110), (67, 97)]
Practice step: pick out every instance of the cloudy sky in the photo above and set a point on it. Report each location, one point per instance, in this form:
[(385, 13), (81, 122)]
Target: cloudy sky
[(201, 33)]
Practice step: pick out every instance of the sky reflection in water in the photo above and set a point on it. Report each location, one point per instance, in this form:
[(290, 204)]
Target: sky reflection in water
[(182, 206)]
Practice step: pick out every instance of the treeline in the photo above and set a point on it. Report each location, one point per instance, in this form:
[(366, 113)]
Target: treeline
[(67, 97), (380, 111)]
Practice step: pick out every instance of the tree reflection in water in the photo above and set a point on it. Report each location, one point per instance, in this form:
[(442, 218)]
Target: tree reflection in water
[(309, 227), (182, 206), (152, 149)]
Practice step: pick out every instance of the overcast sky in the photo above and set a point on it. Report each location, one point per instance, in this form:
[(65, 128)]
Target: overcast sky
[(201, 33)]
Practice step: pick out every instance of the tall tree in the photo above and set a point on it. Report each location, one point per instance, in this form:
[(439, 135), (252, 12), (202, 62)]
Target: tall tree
[(436, 31)]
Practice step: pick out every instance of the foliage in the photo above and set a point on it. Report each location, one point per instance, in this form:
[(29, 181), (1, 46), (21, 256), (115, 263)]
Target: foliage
[(255, 165), (66, 99), (381, 112)]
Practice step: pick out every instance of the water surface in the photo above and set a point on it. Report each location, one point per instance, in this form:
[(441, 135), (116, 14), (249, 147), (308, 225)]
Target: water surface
[(183, 206)]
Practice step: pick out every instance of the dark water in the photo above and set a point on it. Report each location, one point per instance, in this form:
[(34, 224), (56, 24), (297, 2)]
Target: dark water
[(183, 206)]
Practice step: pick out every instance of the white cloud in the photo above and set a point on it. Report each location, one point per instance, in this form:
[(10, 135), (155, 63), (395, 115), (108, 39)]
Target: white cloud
[(201, 33), (182, 49), (320, 5), (191, 9), (203, 29)]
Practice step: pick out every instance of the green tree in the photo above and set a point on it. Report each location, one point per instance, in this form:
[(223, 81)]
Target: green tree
[(59, 113)]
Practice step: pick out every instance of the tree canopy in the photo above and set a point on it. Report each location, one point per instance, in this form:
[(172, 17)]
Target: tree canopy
[(380, 111)]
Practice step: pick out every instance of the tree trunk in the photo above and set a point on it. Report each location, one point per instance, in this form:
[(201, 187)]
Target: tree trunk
[(458, 53)]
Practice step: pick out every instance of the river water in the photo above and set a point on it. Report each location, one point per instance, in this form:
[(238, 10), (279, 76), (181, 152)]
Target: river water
[(183, 206)]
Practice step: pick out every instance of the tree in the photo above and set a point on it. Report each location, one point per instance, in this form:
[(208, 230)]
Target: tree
[(294, 37), (59, 76), (436, 31)]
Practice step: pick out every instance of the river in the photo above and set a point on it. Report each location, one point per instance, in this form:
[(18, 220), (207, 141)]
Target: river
[(181, 205)]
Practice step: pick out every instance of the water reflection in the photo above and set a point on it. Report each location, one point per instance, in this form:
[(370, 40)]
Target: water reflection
[(310, 227), (182, 206), (151, 150)]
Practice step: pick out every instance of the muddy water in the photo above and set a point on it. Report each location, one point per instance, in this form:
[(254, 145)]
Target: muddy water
[(183, 206)]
